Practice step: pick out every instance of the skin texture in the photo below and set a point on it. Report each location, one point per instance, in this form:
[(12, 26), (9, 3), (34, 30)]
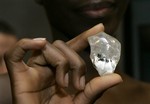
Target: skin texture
[(47, 81)]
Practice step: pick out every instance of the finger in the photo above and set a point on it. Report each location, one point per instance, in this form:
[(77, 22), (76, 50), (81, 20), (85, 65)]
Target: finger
[(44, 72), (96, 87), (80, 42), (37, 59), (58, 61), (15, 56), (76, 64)]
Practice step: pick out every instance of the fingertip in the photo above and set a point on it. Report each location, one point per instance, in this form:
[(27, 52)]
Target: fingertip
[(93, 31), (118, 77), (114, 77), (40, 41), (80, 42), (79, 76), (31, 44), (107, 81), (100, 84), (99, 26), (79, 83), (62, 80), (66, 80), (82, 82)]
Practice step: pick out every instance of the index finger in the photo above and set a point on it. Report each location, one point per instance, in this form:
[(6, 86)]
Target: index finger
[(80, 42), (14, 57)]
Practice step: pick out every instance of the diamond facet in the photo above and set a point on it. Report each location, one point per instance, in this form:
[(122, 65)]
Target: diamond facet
[(105, 52)]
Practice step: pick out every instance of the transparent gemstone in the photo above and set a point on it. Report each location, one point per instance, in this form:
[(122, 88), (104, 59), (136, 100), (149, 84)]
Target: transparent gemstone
[(105, 52)]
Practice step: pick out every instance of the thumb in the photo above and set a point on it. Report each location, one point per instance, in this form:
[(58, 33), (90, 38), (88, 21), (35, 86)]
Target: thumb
[(80, 42), (95, 88)]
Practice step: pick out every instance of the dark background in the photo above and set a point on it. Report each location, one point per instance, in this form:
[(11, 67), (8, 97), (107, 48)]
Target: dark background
[(137, 39), (29, 20), (26, 17)]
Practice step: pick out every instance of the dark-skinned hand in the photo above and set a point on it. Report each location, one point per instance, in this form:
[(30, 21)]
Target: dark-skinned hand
[(44, 79)]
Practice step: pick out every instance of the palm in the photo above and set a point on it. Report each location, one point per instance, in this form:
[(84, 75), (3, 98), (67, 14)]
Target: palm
[(49, 92)]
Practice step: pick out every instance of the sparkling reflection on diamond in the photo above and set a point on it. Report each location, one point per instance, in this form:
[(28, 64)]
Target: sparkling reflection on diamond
[(105, 52)]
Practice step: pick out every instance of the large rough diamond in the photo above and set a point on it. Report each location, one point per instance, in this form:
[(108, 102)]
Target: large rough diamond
[(105, 52)]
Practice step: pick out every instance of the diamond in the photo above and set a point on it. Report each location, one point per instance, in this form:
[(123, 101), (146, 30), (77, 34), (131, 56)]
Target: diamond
[(105, 52)]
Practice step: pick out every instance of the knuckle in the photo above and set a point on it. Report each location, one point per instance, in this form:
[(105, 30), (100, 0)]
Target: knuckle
[(22, 42), (89, 89), (58, 42), (63, 61), (12, 53), (80, 66)]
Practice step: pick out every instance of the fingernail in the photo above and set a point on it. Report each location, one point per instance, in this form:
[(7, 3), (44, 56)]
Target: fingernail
[(101, 24), (66, 79), (39, 39), (82, 82)]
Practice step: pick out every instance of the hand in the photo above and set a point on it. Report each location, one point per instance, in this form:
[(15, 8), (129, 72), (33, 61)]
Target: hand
[(45, 79)]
